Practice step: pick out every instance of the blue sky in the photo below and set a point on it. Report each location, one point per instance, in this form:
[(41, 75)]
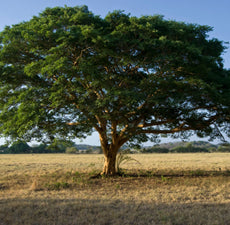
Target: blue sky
[(205, 12)]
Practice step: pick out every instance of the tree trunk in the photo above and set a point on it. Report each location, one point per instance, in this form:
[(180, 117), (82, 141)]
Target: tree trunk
[(110, 163), (110, 152)]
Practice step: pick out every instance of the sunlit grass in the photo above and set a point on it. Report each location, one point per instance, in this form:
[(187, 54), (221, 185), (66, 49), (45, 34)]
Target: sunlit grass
[(160, 189)]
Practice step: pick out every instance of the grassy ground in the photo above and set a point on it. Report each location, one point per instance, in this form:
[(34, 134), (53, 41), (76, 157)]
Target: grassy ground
[(160, 189)]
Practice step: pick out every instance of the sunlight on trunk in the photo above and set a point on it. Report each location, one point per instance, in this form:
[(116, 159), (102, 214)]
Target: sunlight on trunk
[(109, 165)]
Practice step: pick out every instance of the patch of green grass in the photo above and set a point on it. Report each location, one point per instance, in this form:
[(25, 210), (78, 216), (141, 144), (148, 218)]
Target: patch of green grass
[(57, 186), (163, 178)]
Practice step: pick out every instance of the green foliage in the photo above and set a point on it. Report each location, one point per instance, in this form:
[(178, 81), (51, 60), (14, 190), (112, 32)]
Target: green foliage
[(164, 179), (67, 72), (4, 148), (19, 147), (57, 186), (89, 151), (224, 148), (155, 150), (188, 148), (41, 148), (60, 145), (182, 147), (71, 150)]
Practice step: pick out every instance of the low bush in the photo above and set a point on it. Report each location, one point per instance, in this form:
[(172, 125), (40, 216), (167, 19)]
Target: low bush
[(181, 149), (71, 150), (155, 150)]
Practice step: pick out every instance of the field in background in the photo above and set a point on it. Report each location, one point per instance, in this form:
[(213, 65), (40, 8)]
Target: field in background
[(160, 189)]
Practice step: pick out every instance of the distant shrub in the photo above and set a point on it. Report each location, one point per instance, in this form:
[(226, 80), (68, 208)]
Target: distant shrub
[(182, 149), (19, 147), (89, 151), (41, 148), (155, 150), (224, 148), (71, 150), (4, 149), (212, 149)]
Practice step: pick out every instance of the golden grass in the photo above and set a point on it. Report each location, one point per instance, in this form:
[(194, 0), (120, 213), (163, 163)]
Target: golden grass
[(169, 189)]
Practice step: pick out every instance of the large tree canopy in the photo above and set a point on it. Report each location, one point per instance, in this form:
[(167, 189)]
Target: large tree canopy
[(68, 72)]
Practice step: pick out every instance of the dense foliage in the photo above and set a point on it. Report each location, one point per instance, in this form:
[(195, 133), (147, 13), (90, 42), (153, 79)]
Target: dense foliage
[(67, 73)]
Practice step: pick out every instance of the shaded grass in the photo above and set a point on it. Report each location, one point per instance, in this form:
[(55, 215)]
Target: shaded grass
[(83, 211)]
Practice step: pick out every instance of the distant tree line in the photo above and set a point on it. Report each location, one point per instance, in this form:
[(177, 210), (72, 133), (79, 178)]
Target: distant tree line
[(63, 146), (57, 146), (22, 147), (188, 148)]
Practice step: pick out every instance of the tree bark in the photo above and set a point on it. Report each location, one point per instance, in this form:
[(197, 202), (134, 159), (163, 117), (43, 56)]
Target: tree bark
[(109, 168), (110, 150)]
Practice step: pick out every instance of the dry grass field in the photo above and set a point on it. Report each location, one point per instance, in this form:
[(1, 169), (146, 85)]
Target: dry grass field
[(59, 189)]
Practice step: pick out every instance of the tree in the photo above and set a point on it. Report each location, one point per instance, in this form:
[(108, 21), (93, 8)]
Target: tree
[(59, 145), (19, 147), (156, 150), (41, 148), (68, 72), (71, 150), (4, 148), (224, 147)]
